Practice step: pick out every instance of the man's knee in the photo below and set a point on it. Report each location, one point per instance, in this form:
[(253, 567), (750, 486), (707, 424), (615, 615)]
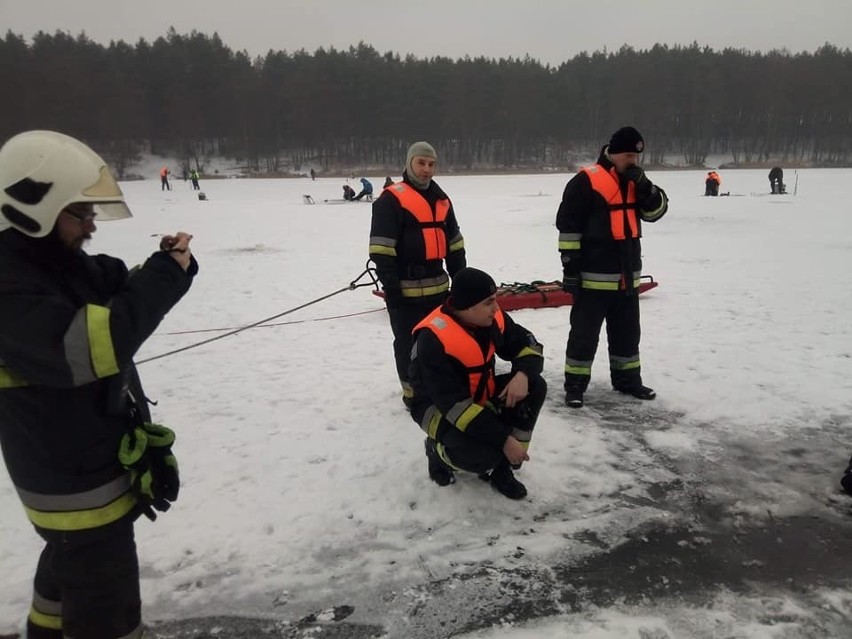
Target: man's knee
[(98, 572), (582, 346), (537, 386), (537, 393), (525, 413)]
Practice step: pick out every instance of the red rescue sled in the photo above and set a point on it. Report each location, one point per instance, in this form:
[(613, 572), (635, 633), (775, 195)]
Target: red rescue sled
[(516, 296)]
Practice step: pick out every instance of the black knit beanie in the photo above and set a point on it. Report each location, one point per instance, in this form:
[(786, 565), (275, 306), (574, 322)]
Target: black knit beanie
[(470, 287), (626, 140)]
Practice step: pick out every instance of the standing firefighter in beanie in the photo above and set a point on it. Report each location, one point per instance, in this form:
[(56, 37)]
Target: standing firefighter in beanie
[(413, 231), (475, 420), (599, 222)]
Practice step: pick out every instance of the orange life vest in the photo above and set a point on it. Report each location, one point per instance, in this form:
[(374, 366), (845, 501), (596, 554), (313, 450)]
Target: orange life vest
[(431, 222), (607, 185), (463, 347), (712, 175), (164, 172)]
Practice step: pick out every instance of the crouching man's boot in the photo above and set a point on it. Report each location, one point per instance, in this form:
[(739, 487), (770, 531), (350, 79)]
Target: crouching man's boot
[(439, 472), (503, 480)]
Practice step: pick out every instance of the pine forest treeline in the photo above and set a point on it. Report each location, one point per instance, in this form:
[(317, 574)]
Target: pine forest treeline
[(190, 96)]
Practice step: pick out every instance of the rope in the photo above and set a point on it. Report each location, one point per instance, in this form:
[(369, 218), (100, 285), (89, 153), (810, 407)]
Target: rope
[(304, 321), (351, 287)]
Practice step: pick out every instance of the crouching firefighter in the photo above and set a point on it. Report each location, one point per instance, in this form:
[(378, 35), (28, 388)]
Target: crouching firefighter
[(75, 431), (475, 420)]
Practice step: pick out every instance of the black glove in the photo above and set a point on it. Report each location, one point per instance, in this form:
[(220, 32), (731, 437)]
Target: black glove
[(644, 188), (164, 466), (571, 283), (393, 297), (635, 174)]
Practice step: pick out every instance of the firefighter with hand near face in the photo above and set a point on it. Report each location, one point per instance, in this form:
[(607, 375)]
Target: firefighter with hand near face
[(600, 223)]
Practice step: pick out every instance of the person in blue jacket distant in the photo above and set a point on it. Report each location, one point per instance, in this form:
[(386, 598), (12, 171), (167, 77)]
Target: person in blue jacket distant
[(366, 190)]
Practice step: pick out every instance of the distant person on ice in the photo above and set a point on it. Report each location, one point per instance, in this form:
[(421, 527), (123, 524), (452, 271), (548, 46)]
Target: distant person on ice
[(76, 433), (712, 183), (366, 190), (776, 180), (193, 175), (413, 231), (388, 182), (164, 179), (599, 222), (313, 175), (475, 420), (348, 193)]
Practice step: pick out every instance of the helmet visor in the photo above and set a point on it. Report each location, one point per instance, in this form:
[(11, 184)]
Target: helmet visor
[(106, 188), (112, 211)]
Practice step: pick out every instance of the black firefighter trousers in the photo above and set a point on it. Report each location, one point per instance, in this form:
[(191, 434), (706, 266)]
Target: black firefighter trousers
[(466, 453), (403, 319), (87, 585), (620, 309)]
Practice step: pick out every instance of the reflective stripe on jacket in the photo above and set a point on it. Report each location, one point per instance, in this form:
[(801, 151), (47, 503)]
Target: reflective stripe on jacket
[(80, 511), (461, 346)]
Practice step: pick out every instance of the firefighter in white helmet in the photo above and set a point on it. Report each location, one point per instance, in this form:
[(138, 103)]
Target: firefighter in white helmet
[(75, 430)]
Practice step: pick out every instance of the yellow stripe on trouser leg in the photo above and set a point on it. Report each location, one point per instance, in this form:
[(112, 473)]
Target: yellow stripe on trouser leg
[(44, 620), (442, 453), (523, 436)]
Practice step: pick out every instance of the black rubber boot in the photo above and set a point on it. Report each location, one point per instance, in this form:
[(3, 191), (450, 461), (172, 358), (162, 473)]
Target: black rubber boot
[(503, 480), (439, 472), (574, 397), (638, 391)]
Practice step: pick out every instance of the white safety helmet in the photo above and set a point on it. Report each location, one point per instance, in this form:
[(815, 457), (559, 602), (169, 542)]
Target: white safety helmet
[(42, 172)]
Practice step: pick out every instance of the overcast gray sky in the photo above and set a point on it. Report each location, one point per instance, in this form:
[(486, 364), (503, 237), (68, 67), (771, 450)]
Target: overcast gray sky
[(549, 30)]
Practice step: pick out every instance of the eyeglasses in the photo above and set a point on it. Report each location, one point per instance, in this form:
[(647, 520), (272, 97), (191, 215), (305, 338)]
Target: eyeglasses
[(82, 216)]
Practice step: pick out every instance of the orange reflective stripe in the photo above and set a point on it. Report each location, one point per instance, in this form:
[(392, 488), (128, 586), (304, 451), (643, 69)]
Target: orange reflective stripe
[(442, 207), (431, 222), (462, 347), (606, 184), (616, 223)]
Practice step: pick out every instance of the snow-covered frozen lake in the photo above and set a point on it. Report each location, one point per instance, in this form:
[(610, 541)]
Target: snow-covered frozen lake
[(711, 512)]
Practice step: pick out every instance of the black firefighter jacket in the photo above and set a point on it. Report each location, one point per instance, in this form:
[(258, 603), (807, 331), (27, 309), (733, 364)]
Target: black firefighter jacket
[(70, 324), (398, 248), (442, 381), (588, 249)]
